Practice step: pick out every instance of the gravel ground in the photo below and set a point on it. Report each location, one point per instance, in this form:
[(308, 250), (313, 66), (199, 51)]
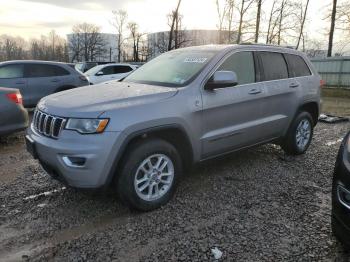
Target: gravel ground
[(255, 205)]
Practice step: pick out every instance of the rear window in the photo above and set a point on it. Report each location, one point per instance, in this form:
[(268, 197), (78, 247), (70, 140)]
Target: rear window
[(122, 69), (297, 66), (274, 66), (43, 70)]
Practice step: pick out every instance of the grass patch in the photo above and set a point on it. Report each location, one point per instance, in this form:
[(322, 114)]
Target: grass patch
[(335, 92)]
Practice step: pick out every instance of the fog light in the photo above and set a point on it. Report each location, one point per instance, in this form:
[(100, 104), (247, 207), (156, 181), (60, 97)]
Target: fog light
[(73, 161)]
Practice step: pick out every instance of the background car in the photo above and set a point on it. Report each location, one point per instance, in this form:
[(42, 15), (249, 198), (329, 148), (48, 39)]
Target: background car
[(36, 79), (104, 73), (341, 194), (14, 117), (85, 66)]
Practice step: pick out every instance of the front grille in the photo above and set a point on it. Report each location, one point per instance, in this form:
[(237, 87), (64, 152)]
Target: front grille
[(47, 125)]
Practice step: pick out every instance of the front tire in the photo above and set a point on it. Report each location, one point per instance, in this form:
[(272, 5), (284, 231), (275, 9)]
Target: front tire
[(149, 174), (299, 135)]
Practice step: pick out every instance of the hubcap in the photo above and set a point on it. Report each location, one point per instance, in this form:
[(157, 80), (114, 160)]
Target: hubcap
[(154, 177), (303, 134)]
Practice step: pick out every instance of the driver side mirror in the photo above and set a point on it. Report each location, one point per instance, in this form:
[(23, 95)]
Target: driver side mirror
[(221, 79), (100, 73)]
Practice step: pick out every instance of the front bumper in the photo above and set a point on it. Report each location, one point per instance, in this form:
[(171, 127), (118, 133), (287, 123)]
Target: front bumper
[(341, 196), (98, 152)]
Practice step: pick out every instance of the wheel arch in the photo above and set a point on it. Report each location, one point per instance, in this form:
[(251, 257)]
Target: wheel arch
[(173, 133), (312, 108)]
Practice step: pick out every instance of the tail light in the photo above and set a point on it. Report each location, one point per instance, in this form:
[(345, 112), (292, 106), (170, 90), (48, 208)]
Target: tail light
[(322, 83), (83, 78), (15, 97)]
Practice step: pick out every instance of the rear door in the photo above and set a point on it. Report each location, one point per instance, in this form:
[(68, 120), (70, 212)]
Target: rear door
[(43, 80), (12, 75), (231, 116), (281, 98)]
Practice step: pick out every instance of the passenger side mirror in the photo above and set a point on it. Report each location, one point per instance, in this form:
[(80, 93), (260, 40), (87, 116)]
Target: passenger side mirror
[(100, 73), (221, 79)]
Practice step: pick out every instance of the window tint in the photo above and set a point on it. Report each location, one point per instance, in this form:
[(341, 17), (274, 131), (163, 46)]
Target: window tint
[(122, 69), (274, 66), (109, 70), (297, 66), (11, 71), (243, 65), (60, 71), (43, 70)]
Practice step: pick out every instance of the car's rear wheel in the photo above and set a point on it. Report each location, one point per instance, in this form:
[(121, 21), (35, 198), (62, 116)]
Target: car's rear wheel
[(299, 135), (149, 174)]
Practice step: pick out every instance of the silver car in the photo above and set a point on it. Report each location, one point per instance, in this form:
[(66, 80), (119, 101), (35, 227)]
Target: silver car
[(36, 79), (13, 116), (183, 107)]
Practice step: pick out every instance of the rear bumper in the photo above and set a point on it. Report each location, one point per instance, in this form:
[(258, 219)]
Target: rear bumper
[(13, 120), (98, 153)]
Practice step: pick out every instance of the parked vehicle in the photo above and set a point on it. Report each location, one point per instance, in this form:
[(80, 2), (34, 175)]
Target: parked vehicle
[(13, 116), (85, 66), (185, 106), (36, 79), (104, 73), (341, 194)]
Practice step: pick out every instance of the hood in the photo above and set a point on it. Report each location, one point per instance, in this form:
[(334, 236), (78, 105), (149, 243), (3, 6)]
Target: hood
[(92, 101)]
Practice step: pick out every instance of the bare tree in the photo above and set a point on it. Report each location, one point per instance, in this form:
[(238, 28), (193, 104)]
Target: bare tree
[(174, 18), (331, 31), (86, 42), (242, 8), (302, 24), (136, 38), (222, 11), (257, 23), (12, 48), (119, 23)]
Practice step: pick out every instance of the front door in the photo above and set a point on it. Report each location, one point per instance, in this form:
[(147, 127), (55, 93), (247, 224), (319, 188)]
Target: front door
[(232, 116)]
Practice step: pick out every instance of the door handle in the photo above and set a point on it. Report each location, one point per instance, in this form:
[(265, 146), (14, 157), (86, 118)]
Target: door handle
[(254, 91), (55, 80), (20, 83), (293, 85)]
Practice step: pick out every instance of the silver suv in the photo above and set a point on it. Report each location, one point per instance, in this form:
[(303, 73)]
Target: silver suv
[(183, 107)]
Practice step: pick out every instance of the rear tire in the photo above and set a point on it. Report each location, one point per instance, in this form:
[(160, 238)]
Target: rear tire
[(149, 174), (299, 134)]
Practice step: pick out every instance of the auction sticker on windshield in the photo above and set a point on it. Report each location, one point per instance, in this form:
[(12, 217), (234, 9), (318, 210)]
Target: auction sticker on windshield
[(199, 60)]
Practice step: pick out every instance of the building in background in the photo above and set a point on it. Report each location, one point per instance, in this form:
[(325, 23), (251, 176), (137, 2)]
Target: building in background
[(98, 47), (158, 42)]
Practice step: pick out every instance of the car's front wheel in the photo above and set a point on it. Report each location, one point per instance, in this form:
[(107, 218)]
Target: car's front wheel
[(149, 174), (299, 135)]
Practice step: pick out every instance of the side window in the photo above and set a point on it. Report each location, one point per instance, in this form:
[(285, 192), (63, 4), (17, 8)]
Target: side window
[(11, 71), (242, 64), (40, 70), (122, 69), (297, 66), (109, 70), (274, 66), (60, 71)]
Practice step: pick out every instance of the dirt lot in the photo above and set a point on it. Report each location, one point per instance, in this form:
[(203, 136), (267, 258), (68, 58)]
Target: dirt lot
[(256, 205)]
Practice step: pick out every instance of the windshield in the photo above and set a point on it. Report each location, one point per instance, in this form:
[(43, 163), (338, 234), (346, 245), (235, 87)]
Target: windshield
[(172, 69)]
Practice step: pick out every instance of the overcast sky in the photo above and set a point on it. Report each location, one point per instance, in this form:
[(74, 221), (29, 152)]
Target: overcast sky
[(31, 18)]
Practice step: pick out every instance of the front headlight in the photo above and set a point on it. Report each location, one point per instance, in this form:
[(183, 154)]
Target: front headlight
[(87, 126)]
